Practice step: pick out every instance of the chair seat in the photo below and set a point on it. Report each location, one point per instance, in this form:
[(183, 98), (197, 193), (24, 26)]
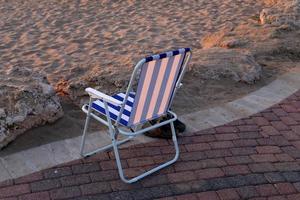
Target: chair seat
[(114, 110)]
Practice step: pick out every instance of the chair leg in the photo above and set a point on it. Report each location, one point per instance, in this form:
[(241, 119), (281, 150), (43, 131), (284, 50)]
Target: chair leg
[(132, 180), (87, 121)]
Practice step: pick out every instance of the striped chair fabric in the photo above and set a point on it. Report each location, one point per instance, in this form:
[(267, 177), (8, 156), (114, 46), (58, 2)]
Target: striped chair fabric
[(157, 81), (114, 111)]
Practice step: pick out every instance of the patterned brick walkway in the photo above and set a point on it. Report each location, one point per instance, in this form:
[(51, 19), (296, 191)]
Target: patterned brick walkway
[(253, 158)]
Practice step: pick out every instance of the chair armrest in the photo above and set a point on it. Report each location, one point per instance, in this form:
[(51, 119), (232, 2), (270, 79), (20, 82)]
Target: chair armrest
[(99, 95)]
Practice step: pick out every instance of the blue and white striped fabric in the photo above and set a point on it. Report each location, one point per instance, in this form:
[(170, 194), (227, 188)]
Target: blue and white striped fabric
[(156, 85), (114, 111)]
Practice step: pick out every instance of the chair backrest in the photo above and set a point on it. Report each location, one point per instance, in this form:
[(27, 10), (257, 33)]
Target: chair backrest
[(159, 76)]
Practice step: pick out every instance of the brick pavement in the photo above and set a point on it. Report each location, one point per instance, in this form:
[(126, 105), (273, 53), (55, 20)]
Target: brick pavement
[(253, 158)]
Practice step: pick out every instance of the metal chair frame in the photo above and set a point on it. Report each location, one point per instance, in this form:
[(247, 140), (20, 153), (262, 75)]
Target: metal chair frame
[(114, 128)]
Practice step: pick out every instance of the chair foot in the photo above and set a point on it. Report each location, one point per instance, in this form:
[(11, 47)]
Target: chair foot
[(135, 179), (107, 147)]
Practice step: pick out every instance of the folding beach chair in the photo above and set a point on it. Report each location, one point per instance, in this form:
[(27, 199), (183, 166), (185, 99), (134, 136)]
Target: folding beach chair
[(159, 76)]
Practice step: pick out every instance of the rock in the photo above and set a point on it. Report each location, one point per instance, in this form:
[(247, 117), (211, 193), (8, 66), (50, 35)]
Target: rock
[(213, 40), (281, 12), (219, 63), (26, 101), (223, 38), (267, 16), (231, 43)]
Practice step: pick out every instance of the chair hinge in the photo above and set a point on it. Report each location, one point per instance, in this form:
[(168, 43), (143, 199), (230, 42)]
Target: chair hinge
[(116, 132)]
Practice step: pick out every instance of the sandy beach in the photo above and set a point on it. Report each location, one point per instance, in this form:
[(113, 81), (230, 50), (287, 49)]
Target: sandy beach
[(88, 41), (76, 44)]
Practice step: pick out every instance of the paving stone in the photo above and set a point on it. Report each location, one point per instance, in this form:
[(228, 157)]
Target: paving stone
[(188, 165), (14, 190), (270, 116), (245, 143), (297, 186), (248, 128), (236, 181), (284, 157), (249, 135), (29, 178), (269, 130), (293, 197), (279, 112), (94, 197), (209, 173), (236, 169), (227, 136), (274, 177), (289, 108), (197, 147), (141, 194), (200, 186), (210, 163), (287, 166), (288, 120), (121, 195), (181, 176), (161, 191), (118, 185), (75, 180), (242, 151), (221, 144), (106, 175), (6, 183), (292, 176), (290, 135), (262, 167), (36, 196), (280, 126), (266, 190), (98, 157), (111, 164), (64, 193), (190, 156), (247, 192), (57, 172), (85, 168), (255, 179), (263, 158), (95, 188), (280, 140), (268, 149), (217, 153), (187, 196), (295, 116), (182, 188), (44, 185), (285, 188), (226, 129), (236, 160), (208, 195), (266, 141), (218, 183), (228, 194), (260, 121)]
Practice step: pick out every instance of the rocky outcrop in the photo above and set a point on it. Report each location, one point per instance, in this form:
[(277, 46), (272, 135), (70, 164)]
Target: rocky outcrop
[(272, 38), (26, 101), (281, 12), (217, 63)]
